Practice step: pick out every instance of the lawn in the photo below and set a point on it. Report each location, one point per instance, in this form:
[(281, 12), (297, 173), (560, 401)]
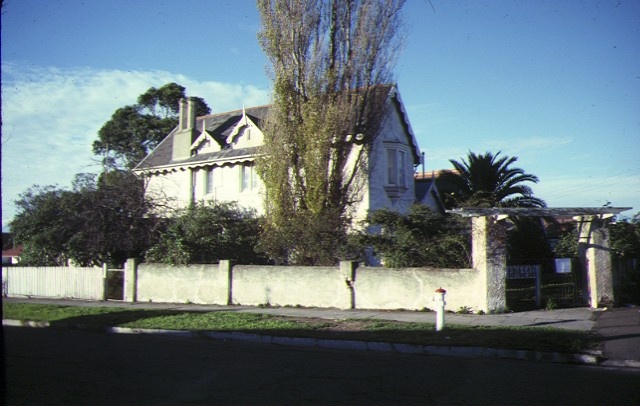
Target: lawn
[(523, 338)]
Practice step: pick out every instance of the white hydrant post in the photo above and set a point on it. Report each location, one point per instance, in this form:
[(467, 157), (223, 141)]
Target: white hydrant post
[(439, 299)]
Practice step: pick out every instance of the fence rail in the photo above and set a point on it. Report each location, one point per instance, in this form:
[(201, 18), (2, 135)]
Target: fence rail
[(526, 272)]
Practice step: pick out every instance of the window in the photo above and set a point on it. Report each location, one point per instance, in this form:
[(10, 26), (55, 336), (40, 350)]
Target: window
[(214, 179), (396, 182), (392, 167), (402, 173), (210, 181), (396, 172), (249, 177)]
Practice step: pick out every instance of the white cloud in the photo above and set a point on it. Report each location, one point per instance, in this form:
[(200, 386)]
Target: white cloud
[(51, 116)]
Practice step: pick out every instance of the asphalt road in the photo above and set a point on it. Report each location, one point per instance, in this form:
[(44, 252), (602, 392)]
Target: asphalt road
[(57, 366)]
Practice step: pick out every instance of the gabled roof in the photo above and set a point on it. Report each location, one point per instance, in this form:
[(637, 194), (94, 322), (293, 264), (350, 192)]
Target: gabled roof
[(427, 191), (219, 126), (394, 94)]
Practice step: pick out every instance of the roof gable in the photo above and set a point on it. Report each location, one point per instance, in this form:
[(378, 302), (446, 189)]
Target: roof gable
[(229, 129)]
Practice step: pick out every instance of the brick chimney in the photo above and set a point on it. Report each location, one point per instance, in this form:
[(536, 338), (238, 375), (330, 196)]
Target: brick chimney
[(183, 137)]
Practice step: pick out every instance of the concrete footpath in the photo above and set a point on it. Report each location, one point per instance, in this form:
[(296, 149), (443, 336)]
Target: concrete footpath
[(619, 328)]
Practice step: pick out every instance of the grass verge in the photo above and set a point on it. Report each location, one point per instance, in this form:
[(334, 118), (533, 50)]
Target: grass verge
[(523, 338)]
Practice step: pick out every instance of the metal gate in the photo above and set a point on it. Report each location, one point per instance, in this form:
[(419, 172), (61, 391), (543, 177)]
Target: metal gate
[(529, 287), (523, 287)]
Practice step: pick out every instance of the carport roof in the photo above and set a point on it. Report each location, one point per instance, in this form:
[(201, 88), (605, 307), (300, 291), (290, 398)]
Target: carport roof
[(567, 212)]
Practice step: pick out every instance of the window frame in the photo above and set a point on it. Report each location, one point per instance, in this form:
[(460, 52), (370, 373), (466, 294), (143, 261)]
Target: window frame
[(396, 177)]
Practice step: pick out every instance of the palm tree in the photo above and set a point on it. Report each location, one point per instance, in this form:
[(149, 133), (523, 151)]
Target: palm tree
[(489, 181)]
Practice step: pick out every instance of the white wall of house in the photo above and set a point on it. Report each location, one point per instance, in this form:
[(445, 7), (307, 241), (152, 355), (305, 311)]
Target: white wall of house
[(391, 183), (171, 186), (237, 182)]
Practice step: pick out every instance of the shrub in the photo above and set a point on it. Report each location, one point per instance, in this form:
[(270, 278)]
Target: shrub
[(208, 232)]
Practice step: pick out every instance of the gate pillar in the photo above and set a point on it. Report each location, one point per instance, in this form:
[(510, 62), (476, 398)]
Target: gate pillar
[(595, 257), (488, 235)]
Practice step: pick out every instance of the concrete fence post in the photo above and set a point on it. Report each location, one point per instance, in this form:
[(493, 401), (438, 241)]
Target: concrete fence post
[(130, 279), (105, 282)]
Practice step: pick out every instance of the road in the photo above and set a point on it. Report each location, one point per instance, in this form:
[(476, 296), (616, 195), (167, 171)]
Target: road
[(58, 366)]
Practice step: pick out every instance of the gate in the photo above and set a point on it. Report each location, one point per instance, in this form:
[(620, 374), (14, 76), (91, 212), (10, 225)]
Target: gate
[(114, 283), (523, 287), (562, 286)]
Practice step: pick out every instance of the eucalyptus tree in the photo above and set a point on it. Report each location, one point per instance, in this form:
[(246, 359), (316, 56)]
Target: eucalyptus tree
[(328, 62), (134, 130), (487, 180)]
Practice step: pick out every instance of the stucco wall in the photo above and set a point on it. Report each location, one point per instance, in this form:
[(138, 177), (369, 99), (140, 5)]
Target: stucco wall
[(228, 187), (375, 197), (204, 284), (341, 287), (284, 285), (173, 187), (413, 288)]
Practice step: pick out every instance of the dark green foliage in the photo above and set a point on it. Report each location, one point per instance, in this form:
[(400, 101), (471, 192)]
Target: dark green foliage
[(305, 239), (103, 219), (42, 224), (207, 233), (419, 238), (527, 242), (489, 181), (129, 136), (164, 102), (625, 237), (133, 131), (567, 245), (625, 245)]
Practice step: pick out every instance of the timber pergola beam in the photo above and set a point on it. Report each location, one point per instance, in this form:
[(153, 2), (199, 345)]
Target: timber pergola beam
[(559, 212), (489, 247)]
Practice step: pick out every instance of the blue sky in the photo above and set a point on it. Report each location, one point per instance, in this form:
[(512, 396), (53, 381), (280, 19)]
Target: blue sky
[(555, 83)]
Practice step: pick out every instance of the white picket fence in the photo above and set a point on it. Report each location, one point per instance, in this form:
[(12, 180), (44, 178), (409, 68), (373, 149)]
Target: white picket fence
[(54, 282)]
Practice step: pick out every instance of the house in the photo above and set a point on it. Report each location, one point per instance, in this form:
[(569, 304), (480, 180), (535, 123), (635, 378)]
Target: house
[(212, 158), (11, 256), (427, 191)]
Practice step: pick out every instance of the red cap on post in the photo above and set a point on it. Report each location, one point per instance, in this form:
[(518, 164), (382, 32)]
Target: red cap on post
[(440, 290)]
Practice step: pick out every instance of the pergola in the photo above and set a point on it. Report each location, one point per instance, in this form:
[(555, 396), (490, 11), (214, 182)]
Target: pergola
[(489, 248)]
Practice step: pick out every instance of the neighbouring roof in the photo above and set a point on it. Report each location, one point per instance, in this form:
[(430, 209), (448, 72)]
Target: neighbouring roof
[(219, 126), (567, 212), (13, 252), (427, 190)]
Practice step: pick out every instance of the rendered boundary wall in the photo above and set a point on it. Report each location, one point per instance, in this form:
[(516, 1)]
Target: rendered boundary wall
[(202, 284), (290, 286), (343, 287), (414, 288)]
